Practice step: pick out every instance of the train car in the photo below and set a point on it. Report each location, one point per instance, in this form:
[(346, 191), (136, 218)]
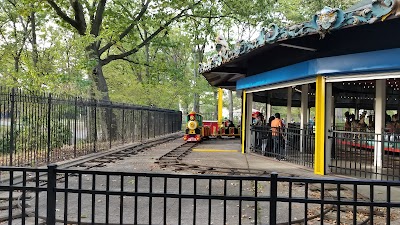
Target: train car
[(227, 129), (195, 129), (214, 129)]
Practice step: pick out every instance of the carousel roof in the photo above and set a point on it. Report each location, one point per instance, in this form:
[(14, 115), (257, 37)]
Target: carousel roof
[(331, 32)]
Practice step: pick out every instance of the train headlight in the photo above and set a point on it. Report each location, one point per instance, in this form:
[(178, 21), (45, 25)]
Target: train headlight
[(192, 125)]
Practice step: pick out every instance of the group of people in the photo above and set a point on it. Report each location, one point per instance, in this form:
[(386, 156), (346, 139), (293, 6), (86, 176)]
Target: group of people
[(270, 135)]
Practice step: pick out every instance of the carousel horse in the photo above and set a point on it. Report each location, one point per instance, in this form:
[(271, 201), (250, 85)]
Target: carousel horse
[(361, 125), (371, 124), (347, 124)]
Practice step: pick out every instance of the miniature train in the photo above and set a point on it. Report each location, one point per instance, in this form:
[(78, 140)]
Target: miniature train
[(198, 130)]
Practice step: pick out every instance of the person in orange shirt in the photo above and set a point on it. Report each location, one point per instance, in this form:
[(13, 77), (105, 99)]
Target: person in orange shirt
[(277, 131)]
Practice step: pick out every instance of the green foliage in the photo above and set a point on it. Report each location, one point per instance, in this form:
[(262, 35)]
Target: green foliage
[(161, 72), (33, 135)]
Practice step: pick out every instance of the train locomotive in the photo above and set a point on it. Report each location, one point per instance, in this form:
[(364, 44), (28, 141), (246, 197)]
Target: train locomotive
[(197, 129)]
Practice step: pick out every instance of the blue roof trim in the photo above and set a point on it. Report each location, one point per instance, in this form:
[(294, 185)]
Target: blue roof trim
[(384, 60)]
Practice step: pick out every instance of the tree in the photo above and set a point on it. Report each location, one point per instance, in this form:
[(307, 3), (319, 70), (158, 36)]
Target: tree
[(101, 24), (16, 37)]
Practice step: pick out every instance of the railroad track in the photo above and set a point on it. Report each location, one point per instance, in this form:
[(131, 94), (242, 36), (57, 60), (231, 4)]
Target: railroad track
[(88, 162), (100, 159), (329, 213), (174, 156), (173, 159)]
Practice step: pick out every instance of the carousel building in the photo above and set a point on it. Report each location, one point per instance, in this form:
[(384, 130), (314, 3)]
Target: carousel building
[(344, 65)]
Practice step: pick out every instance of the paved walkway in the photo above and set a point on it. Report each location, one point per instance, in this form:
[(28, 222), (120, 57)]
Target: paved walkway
[(223, 153)]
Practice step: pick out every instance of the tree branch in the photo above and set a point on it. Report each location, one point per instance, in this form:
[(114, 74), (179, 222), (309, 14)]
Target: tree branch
[(148, 39), (140, 33), (212, 17), (137, 63), (128, 29), (98, 18), (63, 15), (91, 11), (4, 38), (79, 16)]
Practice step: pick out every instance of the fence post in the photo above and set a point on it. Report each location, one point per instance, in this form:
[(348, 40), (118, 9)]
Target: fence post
[(51, 194), (133, 125), (123, 123), (164, 122), (95, 125), (141, 125), (273, 196), (48, 128), (154, 124), (12, 138), (110, 123), (75, 124)]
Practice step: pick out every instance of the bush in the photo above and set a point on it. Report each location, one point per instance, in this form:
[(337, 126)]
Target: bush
[(34, 136)]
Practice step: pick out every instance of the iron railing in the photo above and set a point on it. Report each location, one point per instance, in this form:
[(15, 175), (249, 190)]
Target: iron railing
[(291, 143), (355, 154), (100, 197), (37, 129)]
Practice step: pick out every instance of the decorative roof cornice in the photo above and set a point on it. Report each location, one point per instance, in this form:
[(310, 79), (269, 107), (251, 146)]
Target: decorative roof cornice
[(328, 19)]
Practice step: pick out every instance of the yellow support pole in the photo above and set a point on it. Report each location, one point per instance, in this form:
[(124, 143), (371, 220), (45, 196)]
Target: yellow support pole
[(243, 127), (319, 162), (220, 96)]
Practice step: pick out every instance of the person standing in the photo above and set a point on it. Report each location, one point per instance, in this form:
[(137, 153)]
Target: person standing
[(277, 131), (270, 142)]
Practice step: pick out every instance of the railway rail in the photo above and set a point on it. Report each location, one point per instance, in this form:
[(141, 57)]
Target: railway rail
[(173, 158), (88, 162), (327, 213)]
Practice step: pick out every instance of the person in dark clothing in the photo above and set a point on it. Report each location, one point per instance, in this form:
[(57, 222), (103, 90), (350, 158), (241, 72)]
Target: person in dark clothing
[(269, 141), (270, 120)]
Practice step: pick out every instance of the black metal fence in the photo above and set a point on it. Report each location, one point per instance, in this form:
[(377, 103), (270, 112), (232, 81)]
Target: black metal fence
[(289, 143), (54, 196), (37, 129), (356, 154)]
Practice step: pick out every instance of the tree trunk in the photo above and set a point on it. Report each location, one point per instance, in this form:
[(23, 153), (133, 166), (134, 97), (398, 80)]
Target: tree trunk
[(34, 42), (196, 97), (147, 54), (108, 118), (216, 105), (16, 64), (196, 104), (230, 105)]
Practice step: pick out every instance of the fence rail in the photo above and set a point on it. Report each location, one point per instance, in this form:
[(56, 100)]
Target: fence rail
[(353, 153), (356, 154), (37, 129), (288, 143), (101, 197)]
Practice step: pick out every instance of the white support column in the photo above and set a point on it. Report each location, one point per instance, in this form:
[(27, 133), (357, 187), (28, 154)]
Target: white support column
[(249, 108), (328, 124), (268, 110), (303, 114), (333, 111), (289, 106), (380, 112)]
